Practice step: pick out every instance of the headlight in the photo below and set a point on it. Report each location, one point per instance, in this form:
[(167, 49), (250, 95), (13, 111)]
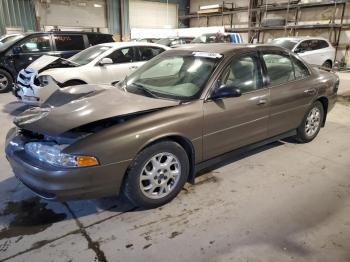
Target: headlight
[(52, 154)]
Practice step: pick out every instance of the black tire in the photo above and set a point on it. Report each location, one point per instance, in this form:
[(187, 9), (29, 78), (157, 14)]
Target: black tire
[(73, 83), (5, 77), (302, 134), (132, 186), (327, 64)]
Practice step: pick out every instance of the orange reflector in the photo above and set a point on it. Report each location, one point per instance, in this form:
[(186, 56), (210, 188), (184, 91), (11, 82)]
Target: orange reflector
[(86, 161)]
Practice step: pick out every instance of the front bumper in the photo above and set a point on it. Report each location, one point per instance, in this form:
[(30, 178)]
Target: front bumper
[(62, 184), (25, 95)]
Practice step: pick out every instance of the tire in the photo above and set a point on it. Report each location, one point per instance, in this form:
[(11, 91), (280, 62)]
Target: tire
[(148, 190), (311, 124), (6, 81), (327, 64), (73, 83)]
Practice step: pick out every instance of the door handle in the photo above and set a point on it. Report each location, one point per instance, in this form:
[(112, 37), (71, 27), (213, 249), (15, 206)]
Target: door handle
[(310, 91), (261, 101), (133, 67)]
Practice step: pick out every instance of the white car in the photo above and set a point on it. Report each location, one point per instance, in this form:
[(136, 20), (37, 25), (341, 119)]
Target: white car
[(314, 50), (6, 38), (99, 64)]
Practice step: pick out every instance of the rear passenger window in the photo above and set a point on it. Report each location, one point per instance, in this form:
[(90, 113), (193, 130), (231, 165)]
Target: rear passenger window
[(322, 44), (279, 68), (300, 70), (124, 55), (243, 73), (95, 39), (148, 52), (69, 42)]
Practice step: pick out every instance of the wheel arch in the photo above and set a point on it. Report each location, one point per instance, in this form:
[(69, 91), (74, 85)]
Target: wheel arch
[(185, 143), (324, 102), (73, 80)]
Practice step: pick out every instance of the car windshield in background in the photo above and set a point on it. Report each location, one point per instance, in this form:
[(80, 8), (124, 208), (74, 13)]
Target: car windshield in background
[(289, 44), (86, 56), (180, 77), (165, 41), (211, 38), (8, 42)]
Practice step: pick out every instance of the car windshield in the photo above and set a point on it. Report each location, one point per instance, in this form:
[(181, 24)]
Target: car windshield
[(165, 41), (178, 77), (4, 44), (210, 38), (86, 56), (289, 44)]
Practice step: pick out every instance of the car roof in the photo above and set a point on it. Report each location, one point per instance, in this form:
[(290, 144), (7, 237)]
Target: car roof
[(64, 32), (300, 38), (224, 48), (126, 44)]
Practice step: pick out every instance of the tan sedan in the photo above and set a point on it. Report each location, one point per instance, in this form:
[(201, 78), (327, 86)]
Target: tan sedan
[(179, 112)]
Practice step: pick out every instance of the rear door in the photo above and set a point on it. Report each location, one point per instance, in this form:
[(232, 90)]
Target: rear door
[(313, 51), (230, 123), (67, 45), (32, 47), (290, 91)]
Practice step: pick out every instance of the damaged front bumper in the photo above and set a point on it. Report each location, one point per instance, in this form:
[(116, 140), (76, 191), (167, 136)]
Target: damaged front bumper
[(55, 183), (28, 91)]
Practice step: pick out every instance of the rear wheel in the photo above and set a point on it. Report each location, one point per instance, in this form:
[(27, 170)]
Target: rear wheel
[(327, 64), (6, 81), (311, 124), (157, 175)]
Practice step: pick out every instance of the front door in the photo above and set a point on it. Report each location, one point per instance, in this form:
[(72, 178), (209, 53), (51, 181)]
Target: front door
[(124, 63), (230, 123), (32, 48)]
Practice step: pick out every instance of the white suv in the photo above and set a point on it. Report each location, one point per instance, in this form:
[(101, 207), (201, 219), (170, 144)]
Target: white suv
[(314, 50)]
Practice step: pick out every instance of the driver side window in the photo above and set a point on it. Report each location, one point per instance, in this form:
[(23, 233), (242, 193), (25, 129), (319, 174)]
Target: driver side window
[(243, 73)]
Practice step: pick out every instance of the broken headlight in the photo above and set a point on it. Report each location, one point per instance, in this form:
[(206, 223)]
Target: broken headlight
[(52, 154)]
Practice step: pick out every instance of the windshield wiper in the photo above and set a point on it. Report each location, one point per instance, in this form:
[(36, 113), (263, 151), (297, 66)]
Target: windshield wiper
[(145, 90)]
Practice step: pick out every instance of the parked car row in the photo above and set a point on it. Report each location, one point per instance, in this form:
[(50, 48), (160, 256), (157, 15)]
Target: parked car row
[(147, 135), (99, 64), (21, 50)]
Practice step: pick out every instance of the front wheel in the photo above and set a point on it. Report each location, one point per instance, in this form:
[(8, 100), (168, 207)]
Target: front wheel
[(6, 81), (157, 175), (311, 124)]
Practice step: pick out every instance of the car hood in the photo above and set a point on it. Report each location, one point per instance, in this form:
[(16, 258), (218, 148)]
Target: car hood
[(47, 62), (82, 105)]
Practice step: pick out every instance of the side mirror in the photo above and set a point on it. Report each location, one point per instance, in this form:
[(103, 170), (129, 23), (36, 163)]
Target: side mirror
[(105, 61), (17, 50), (225, 91)]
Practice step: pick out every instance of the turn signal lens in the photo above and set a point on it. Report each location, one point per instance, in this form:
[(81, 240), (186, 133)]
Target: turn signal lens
[(84, 161)]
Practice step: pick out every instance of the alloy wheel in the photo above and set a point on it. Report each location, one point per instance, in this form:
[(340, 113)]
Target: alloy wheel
[(3, 82), (160, 175), (313, 122)]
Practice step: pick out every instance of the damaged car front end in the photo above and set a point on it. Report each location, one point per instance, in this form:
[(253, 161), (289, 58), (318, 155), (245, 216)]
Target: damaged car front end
[(34, 89), (71, 160)]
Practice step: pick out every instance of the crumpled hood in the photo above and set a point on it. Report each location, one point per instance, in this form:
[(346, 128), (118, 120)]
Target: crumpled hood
[(46, 62), (42, 62), (85, 104)]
